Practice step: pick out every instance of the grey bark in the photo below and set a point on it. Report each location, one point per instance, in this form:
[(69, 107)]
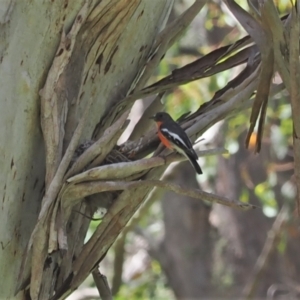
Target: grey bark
[(107, 56), (243, 243), (246, 233), (70, 54), (185, 253)]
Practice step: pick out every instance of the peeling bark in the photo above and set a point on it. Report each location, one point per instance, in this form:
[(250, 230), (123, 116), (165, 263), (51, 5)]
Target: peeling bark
[(106, 57), (76, 68), (185, 253)]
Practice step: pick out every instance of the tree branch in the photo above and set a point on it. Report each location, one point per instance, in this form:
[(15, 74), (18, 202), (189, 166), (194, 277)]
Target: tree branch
[(263, 260), (85, 189), (271, 18), (102, 285), (101, 147), (167, 37), (124, 169), (145, 121), (295, 96), (39, 235), (53, 111)]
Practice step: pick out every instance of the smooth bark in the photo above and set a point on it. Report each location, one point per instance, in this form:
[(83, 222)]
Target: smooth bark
[(107, 56)]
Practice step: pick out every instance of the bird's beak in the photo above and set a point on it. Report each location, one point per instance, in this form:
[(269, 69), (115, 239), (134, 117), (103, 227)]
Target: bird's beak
[(152, 117)]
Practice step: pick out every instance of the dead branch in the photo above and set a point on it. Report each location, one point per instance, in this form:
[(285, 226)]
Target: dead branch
[(295, 95), (100, 148), (102, 285), (84, 189), (263, 259), (124, 169), (52, 111)]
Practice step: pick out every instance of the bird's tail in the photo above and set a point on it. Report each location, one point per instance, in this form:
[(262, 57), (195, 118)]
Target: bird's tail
[(194, 163)]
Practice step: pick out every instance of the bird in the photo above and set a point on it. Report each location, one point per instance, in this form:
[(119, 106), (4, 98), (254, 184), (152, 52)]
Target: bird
[(174, 137)]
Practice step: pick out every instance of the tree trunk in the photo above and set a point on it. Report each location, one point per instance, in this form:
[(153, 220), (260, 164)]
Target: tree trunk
[(76, 68), (246, 233), (243, 243), (111, 46), (185, 254)]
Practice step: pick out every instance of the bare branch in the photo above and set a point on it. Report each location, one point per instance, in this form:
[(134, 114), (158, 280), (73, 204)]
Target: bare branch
[(102, 285), (271, 18), (100, 148), (53, 112), (145, 122), (295, 95), (166, 39), (125, 169), (119, 256), (232, 99), (215, 62), (263, 260), (119, 244), (250, 24), (106, 233), (85, 189), (85, 294), (39, 235), (259, 106)]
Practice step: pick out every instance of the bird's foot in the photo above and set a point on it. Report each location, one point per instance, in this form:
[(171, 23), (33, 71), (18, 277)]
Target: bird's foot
[(163, 157)]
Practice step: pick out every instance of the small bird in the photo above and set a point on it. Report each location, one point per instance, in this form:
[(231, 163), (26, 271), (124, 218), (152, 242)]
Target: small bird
[(174, 137)]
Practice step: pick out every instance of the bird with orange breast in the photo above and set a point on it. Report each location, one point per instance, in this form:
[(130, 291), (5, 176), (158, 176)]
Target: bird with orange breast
[(174, 137)]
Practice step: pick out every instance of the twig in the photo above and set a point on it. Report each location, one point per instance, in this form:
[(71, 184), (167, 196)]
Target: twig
[(295, 96), (263, 260), (85, 189), (52, 119), (166, 39), (241, 94), (125, 169), (145, 122), (250, 24), (102, 285), (106, 233), (271, 17), (57, 181), (110, 136), (120, 242), (85, 294), (119, 254), (39, 235), (52, 110)]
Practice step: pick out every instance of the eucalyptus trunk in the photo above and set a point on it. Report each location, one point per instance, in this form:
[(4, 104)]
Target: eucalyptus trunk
[(103, 46), (69, 73)]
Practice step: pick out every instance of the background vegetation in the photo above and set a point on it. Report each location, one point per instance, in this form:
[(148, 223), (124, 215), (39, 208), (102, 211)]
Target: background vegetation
[(226, 253), (78, 82)]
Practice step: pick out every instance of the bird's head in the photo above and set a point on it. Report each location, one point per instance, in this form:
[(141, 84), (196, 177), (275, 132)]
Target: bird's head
[(161, 117)]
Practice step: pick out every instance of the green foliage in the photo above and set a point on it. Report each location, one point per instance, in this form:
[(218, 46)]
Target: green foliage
[(222, 274), (267, 197), (281, 246), (244, 195), (278, 131), (149, 286)]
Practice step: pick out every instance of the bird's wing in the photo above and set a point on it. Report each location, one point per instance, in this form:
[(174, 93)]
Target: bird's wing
[(178, 137)]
